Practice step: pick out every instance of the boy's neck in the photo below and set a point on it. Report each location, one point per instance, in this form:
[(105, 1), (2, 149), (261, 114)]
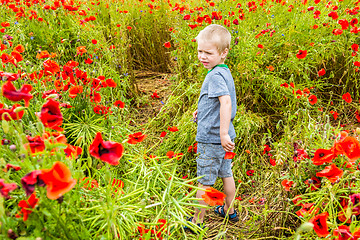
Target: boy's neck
[(219, 65)]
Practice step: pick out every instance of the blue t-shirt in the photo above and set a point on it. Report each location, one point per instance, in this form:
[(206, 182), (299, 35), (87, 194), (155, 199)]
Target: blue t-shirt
[(218, 82)]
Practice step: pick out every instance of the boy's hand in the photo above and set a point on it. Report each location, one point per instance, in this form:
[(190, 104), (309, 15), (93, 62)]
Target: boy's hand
[(195, 115), (226, 143)]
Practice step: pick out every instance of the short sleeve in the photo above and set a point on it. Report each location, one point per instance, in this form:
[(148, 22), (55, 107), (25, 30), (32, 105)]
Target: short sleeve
[(217, 86)]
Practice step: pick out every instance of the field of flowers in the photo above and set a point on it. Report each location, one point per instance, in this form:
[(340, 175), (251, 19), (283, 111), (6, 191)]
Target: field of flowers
[(87, 153)]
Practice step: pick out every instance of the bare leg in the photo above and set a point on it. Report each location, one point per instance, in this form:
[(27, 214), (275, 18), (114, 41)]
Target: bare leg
[(229, 190), (200, 213)]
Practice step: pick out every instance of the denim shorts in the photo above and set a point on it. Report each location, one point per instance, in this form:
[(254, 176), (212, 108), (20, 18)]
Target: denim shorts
[(212, 164)]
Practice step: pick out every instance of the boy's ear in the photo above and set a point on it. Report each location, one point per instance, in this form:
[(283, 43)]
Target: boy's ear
[(225, 53)]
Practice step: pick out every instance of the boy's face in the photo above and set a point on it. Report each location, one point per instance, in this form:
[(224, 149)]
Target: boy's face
[(209, 55)]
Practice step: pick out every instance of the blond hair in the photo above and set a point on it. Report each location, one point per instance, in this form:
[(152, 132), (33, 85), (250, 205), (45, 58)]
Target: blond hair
[(216, 34)]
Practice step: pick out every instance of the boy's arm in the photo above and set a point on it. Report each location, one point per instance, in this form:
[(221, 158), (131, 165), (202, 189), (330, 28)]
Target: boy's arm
[(225, 118)]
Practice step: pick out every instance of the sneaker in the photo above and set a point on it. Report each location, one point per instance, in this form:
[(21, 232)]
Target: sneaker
[(219, 210)]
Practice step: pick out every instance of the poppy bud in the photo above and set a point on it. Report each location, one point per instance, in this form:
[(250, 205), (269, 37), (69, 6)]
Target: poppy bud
[(19, 109), (5, 126), (305, 227), (12, 234), (12, 147), (357, 131)]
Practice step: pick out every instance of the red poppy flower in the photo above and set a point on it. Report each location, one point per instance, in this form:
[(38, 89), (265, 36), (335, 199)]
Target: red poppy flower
[(347, 97), (349, 146), (25, 205), (72, 151), (170, 154), (86, 182), (301, 54), (167, 45), (321, 72), (50, 115), (173, 129), (50, 67), (261, 46), (343, 233), (107, 151), (163, 134), (250, 172), (155, 95), (314, 183), (307, 208), (94, 41), (13, 115), (344, 24), (335, 114), (10, 166), (322, 156), (117, 184), (80, 50), (9, 76), (5, 188), (58, 180), (10, 92), (357, 63), (355, 47), (312, 99), (186, 17), (284, 85), (332, 172), (337, 31), (89, 61), (287, 184), (74, 91), (229, 155), (213, 197), (320, 225), (136, 138), (30, 180), (333, 15), (36, 144), (119, 104), (110, 82)]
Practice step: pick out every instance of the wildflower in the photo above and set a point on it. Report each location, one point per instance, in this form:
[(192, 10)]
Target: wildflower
[(321, 72), (50, 115), (213, 197), (314, 183), (107, 151), (72, 151), (287, 184), (320, 225), (167, 45), (10, 166), (155, 95), (119, 104), (86, 182), (301, 54), (30, 180), (80, 50), (347, 97), (36, 144), (322, 156), (349, 146), (335, 114), (58, 180), (25, 205), (229, 155), (10, 92), (312, 99), (13, 115), (163, 134), (332, 172), (250, 172), (6, 188), (173, 129), (136, 138)]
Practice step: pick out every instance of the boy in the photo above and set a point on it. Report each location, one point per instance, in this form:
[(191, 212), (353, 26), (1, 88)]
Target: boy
[(216, 111)]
